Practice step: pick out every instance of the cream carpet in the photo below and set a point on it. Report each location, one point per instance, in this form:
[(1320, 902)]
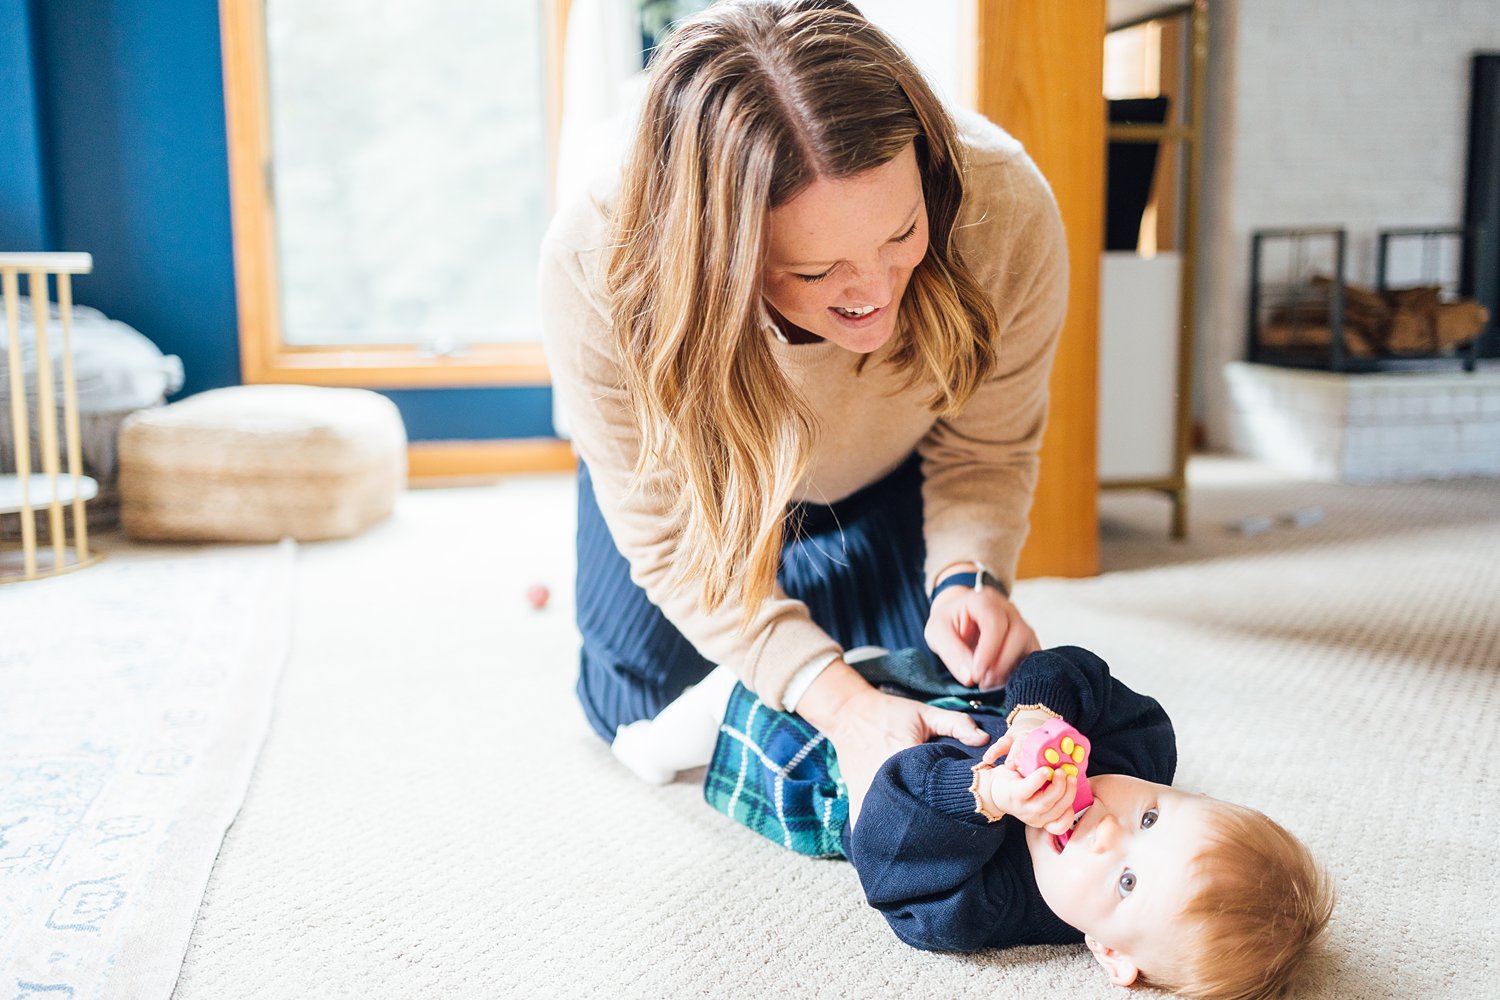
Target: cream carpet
[(431, 818), (134, 697)]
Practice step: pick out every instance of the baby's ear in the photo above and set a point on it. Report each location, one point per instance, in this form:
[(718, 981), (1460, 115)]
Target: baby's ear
[(1122, 971)]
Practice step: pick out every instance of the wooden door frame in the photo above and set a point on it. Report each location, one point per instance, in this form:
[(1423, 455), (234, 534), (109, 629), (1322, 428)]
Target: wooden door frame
[(1040, 75)]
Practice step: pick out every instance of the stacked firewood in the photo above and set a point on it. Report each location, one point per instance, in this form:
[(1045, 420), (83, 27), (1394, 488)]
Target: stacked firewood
[(1398, 322)]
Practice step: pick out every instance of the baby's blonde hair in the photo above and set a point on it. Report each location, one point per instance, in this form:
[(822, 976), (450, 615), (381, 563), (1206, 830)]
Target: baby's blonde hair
[(1264, 903), (748, 103)]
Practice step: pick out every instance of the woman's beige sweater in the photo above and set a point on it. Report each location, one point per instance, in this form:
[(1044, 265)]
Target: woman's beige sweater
[(979, 468)]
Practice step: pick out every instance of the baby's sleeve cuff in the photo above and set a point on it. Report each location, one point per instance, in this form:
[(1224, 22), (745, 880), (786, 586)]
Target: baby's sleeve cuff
[(952, 789)]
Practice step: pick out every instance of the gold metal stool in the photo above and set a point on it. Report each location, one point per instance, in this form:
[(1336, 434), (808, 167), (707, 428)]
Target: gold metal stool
[(23, 489)]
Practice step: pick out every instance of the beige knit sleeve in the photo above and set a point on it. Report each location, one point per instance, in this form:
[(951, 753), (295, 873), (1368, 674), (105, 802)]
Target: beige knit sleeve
[(980, 468), (588, 383)]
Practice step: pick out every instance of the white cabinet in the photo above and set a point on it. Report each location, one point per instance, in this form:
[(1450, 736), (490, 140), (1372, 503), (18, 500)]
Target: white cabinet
[(1138, 365)]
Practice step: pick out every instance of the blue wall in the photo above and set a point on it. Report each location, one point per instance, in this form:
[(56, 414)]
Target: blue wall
[(112, 141), (137, 169), (23, 224)]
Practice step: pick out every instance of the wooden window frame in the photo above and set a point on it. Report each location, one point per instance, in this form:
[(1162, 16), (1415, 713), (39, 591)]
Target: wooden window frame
[(264, 355)]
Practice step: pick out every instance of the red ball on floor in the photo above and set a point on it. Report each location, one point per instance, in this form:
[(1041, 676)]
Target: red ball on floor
[(538, 594)]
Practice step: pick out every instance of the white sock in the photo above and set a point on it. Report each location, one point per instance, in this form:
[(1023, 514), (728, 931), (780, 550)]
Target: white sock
[(682, 736)]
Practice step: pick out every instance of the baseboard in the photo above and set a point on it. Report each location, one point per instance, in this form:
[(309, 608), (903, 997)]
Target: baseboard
[(429, 460)]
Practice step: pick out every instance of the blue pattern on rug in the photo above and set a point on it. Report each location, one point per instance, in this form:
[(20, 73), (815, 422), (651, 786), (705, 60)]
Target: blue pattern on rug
[(136, 696)]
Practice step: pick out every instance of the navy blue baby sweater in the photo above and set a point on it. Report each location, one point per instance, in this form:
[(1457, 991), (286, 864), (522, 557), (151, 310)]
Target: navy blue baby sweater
[(947, 879)]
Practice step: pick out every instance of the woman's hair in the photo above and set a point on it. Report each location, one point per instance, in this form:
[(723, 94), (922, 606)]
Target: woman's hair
[(748, 103), (1264, 903)]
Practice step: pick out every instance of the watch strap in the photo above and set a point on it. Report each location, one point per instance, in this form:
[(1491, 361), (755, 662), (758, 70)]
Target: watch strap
[(979, 578)]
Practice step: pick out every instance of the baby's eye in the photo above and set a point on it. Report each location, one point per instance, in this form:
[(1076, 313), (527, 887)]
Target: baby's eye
[(1127, 882), (1148, 819)]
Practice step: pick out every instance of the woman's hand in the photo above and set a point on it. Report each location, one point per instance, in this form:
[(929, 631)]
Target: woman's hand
[(867, 726), (979, 635)]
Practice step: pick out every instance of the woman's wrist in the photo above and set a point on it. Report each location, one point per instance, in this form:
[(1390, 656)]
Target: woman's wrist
[(971, 574), (951, 569), (824, 700)]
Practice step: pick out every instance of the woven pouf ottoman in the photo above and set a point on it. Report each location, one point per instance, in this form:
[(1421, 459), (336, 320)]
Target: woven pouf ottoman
[(258, 463)]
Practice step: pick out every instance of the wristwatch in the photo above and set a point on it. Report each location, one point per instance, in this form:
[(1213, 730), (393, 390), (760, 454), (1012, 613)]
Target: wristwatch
[(979, 578)]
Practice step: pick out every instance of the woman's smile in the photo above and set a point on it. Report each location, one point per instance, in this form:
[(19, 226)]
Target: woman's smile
[(857, 319)]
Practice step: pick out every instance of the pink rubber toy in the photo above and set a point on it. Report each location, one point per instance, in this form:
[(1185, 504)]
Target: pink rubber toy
[(1055, 744)]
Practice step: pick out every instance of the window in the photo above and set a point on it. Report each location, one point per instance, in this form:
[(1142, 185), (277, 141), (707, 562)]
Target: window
[(389, 169), (409, 170)]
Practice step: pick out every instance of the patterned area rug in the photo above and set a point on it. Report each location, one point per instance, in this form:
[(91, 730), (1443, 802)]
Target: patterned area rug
[(134, 699)]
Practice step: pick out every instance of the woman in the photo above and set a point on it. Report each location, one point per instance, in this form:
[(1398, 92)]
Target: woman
[(802, 344)]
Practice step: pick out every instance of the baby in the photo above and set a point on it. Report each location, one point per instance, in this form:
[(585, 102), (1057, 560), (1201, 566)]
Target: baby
[(960, 852)]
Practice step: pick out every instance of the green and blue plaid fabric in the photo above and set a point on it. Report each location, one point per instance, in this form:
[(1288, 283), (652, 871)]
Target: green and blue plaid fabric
[(777, 775)]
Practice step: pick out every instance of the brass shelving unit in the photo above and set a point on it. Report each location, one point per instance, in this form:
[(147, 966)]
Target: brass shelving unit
[(42, 470), (1189, 135)]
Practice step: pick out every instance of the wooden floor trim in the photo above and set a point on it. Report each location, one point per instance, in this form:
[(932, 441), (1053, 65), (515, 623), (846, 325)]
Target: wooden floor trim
[(465, 459)]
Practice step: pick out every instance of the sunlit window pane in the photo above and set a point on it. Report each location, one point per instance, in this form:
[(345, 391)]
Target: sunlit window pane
[(409, 169)]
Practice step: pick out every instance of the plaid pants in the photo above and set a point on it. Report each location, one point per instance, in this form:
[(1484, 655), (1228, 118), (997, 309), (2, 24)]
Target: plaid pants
[(777, 775)]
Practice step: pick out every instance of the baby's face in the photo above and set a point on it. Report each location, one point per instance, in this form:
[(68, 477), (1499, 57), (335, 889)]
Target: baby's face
[(1124, 875)]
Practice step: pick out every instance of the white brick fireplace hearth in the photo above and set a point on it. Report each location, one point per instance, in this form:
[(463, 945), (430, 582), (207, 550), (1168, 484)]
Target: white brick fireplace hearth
[(1344, 112), (1367, 428)]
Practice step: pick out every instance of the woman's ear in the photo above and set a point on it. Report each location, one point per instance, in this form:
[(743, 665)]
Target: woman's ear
[(1122, 971)]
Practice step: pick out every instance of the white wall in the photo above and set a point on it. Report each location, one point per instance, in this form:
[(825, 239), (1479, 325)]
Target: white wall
[(1336, 112), (933, 34)]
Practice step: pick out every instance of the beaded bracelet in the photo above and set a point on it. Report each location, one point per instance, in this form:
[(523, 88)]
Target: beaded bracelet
[(980, 805), (1011, 718)]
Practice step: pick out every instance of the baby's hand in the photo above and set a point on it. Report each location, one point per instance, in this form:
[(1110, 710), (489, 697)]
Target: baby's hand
[(1034, 800), (1021, 726)]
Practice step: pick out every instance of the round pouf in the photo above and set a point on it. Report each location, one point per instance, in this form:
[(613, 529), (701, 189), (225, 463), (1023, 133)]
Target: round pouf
[(258, 463)]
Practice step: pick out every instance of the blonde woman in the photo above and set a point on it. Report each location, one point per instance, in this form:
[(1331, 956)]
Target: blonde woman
[(802, 341)]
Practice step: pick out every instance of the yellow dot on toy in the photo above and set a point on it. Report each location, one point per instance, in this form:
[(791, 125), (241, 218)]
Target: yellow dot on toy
[(1078, 755), (1070, 770), (1067, 745), (1048, 772), (1051, 755)]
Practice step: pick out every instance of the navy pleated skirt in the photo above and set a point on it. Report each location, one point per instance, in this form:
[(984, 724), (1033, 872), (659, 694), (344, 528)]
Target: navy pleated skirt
[(857, 565)]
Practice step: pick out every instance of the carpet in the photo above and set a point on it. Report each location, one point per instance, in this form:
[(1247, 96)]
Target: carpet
[(134, 697), (432, 817)]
